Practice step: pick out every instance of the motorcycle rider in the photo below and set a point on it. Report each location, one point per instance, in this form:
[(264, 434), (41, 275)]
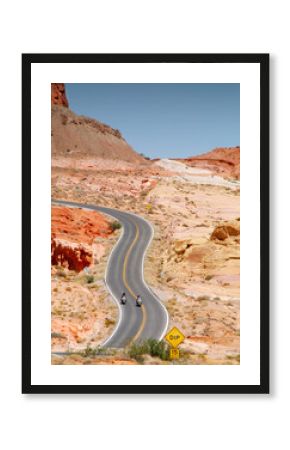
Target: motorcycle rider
[(138, 300), (123, 298)]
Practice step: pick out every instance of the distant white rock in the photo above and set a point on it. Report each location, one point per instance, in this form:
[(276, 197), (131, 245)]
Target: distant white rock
[(195, 175)]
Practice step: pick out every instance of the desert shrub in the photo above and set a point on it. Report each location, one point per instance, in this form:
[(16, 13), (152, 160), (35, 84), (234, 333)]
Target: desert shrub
[(115, 225), (90, 351), (57, 335), (90, 279), (56, 312), (109, 322), (149, 206), (149, 347), (203, 298), (234, 357), (208, 277)]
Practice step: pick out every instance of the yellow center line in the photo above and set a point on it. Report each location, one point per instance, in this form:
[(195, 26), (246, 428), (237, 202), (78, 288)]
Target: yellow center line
[(144, 315)]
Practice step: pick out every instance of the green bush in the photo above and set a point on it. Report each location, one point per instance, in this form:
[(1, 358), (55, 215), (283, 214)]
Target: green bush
[(115, 225), (90, 279), (109, 322), (57, 335), (89, 351), (149, 347), (145, 157)]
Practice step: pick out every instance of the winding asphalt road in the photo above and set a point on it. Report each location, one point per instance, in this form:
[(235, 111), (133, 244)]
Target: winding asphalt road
[(125, 274)]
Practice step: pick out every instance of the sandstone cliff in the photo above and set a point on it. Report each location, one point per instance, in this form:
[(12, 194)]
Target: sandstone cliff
[(58, 95)]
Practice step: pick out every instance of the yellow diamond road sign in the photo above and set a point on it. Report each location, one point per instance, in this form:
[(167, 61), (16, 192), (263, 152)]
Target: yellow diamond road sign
[(174, 337)]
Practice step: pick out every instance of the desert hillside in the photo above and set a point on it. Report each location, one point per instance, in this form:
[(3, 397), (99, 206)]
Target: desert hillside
[(84, 138)]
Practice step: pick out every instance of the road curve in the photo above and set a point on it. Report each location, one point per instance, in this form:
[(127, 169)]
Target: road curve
[(124, 273)]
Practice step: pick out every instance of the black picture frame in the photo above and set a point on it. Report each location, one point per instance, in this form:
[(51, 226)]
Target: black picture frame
[(263, 61)]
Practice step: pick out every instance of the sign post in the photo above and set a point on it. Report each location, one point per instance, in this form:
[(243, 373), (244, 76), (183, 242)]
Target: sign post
[(174, 337)]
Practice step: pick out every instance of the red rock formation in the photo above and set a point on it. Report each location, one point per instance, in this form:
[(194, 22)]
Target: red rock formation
[(73, 257), (78, 225), (73, 231), (222, 161), (58, 95)]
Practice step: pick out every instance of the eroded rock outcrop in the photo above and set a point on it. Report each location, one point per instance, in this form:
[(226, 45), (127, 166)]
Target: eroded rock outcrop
[(73, 257), (58, 95), (225, 230), (73, 232)]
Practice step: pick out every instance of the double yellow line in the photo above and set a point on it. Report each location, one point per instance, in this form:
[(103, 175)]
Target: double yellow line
[(134, 295)]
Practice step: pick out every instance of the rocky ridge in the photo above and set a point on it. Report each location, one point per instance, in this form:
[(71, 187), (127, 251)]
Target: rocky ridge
[(79, 137), (58, 95), (223, 161)]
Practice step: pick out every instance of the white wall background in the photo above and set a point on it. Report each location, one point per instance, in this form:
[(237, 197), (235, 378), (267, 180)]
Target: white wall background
[(132, 422)]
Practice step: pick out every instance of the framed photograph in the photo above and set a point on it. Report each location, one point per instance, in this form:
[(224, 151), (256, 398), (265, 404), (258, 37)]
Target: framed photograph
[(145, 221)]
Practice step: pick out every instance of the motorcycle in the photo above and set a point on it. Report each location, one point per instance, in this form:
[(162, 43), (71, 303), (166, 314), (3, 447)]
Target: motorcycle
[(123, 299), (138, 301)]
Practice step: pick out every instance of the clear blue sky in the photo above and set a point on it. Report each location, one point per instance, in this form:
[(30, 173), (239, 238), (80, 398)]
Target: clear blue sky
[(164, 120)]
